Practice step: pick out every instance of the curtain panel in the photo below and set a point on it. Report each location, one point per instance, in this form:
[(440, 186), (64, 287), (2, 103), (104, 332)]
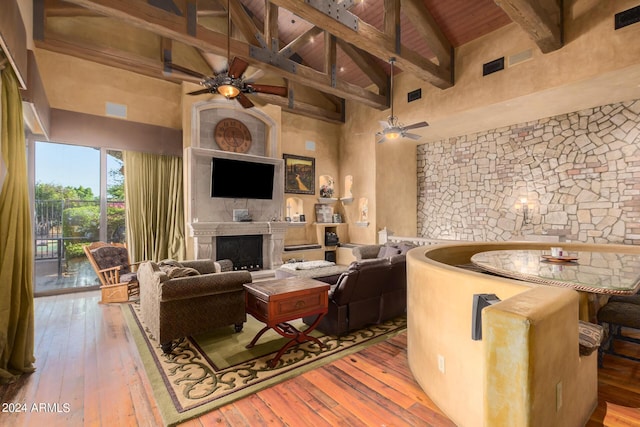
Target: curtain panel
[(16, 244), (154, 206)]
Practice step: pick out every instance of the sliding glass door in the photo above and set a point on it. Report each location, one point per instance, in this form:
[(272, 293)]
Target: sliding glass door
[(78, 200)]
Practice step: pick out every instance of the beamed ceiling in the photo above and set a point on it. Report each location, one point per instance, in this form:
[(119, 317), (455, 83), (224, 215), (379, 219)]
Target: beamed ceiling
[(338, 48)]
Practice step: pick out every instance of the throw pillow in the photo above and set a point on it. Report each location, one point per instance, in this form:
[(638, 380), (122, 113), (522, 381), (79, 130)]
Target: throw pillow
[(388, 251), (169, 263), (176, 272), (405, 246), (590, 337)]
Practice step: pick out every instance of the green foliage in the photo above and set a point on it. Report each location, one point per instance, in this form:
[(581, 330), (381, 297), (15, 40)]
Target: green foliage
[(116, 224), (74, 249), (79, 212), (81, 221), (49, 191)]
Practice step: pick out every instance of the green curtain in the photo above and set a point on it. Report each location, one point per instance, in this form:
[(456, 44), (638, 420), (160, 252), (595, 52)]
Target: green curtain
[(16, 244), (154, 200)]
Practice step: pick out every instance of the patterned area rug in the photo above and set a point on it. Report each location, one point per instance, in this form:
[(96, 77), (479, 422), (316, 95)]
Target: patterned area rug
[(212, 370)]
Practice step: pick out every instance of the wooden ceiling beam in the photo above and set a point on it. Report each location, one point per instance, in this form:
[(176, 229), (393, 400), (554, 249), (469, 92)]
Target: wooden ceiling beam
[(367, 64), (374, 41), (427, 27), (330, 55), (542, 24), (103, 55), (61, 9), (153, 68), (391, 18), (271, 36), (140, 14), (301, 108), (244, 23), (304, 38)]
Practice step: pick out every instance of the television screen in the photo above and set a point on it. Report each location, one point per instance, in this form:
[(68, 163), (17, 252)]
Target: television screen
[(239, 179)]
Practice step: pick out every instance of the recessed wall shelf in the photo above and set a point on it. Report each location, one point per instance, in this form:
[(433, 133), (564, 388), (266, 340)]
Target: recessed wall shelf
[(327, 200), (362, 223), (346, 200), (296, 223)]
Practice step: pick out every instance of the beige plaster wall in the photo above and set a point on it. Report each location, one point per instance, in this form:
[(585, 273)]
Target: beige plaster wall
[(296, 132), (83, 86), (396, 190), (358, 158), (439, 316)]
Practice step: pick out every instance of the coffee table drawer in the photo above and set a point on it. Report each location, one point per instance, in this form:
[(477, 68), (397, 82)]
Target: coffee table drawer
[(301, 304)]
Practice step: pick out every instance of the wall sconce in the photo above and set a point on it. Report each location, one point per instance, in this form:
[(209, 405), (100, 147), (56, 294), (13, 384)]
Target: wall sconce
[(526, 208)]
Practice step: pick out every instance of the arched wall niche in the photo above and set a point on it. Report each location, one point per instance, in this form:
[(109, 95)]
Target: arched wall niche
[(207, 114)]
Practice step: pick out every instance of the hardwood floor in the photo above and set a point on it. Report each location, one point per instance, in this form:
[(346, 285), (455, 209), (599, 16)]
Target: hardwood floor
[(89, 373)]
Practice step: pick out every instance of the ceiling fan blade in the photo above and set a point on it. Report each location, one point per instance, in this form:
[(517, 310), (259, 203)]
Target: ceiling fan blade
[(218, 63), (199, 92), (171, 66), (412, 136), (244, 101), (274, 90), (385, 125), (381, 140), (237, 68), (416, 125)]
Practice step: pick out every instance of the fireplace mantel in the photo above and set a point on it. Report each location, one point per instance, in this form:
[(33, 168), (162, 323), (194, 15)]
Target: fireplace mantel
[(205, 233)]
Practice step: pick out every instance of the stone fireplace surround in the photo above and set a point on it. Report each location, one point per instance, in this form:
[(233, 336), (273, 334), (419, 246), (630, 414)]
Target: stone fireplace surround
[(206, 233), (207, 217)]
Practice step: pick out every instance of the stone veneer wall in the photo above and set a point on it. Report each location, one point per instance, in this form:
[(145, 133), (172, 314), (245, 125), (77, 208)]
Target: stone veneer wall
[(581, 172)]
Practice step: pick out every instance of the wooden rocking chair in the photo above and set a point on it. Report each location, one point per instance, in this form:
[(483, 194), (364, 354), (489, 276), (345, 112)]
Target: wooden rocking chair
[(114, 269)]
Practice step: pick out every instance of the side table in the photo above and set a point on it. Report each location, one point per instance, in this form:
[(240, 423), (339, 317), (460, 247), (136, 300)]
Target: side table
[(276, 302)]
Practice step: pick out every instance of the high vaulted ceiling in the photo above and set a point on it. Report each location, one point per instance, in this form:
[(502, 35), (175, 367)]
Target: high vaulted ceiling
[(340, 48)]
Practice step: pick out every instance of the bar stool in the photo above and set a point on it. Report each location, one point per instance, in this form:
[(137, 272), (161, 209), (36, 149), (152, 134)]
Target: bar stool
[(620, 312)]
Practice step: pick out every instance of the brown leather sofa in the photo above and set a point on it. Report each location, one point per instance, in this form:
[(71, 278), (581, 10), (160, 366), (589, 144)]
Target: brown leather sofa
[(190, 297), (367, 293)]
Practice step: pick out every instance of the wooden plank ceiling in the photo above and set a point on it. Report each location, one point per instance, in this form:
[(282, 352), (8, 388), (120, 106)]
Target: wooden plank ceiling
[(338, 48)]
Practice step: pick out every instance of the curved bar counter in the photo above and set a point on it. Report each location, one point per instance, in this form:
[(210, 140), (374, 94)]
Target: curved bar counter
[(526, 370)]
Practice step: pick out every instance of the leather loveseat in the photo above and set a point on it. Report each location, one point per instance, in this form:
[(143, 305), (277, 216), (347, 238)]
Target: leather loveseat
[(190, 297), (394, 295), (367, 293)]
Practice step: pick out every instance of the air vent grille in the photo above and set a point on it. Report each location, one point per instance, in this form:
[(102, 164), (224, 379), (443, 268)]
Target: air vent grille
[(414, 95), (493, 66), (627, 17), (520, 57)]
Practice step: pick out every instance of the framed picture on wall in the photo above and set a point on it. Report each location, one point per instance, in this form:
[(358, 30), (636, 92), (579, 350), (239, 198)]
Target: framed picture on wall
[(299, 174)]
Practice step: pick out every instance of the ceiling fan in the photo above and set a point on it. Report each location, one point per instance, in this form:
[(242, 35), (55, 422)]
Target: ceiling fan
[(392, 128), (230, 83)]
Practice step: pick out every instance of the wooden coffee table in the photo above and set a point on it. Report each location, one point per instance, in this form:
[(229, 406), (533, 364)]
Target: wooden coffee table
[(276, 302)]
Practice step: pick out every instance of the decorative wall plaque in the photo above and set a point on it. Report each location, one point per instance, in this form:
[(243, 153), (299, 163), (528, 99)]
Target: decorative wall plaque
[(232, 135)]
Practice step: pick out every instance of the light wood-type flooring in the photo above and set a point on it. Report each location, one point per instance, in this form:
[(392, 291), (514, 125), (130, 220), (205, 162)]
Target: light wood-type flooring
[(89, 374)]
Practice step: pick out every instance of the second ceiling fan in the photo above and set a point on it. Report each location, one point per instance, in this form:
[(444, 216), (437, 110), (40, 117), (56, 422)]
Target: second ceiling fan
[(392, 128), (230, 83)]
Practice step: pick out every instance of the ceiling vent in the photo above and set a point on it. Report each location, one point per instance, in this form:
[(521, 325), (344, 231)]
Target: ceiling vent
[(116, 110), (520, 57), (414, 95), (493, 66), (627, 17)]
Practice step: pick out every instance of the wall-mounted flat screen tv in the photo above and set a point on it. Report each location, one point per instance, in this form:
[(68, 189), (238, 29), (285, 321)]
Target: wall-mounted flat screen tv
[(239, 179)]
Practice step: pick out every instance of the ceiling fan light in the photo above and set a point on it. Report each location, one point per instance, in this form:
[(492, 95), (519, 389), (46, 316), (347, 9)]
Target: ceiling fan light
[(228, 91), (394, 134)]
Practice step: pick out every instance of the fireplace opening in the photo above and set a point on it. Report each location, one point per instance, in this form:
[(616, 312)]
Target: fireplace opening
[(244, 251)]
